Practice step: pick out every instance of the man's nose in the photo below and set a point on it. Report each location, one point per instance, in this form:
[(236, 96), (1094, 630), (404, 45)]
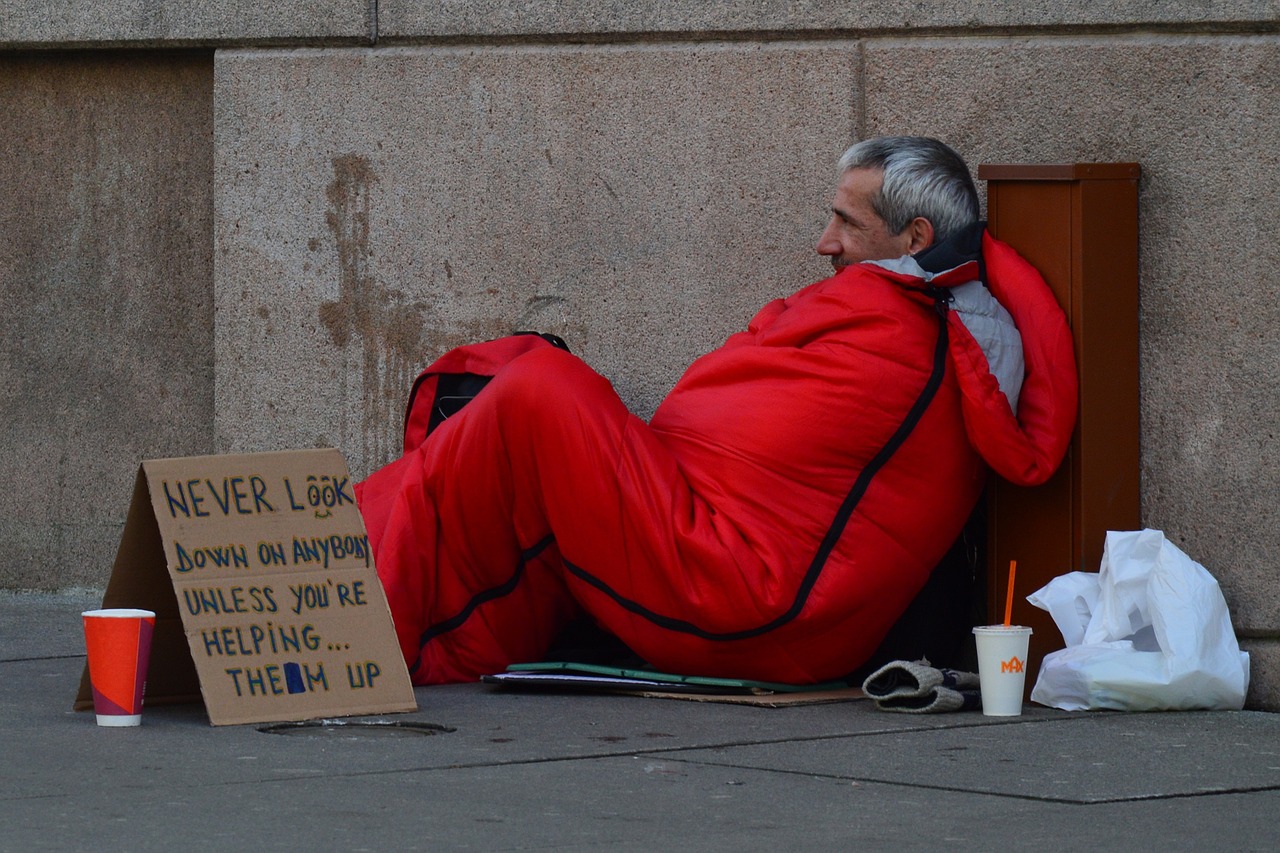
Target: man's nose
[(828, 243)]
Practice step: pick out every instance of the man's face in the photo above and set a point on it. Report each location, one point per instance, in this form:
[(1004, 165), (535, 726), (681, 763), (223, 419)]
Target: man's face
[(856, 233)]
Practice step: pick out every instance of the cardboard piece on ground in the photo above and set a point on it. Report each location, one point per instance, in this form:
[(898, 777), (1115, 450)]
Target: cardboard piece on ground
[(267, 603)]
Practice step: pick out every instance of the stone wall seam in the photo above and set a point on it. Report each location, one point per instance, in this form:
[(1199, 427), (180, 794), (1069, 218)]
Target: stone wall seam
[(1028, 31), (859, 92), (391, 51), (1078, 39), (374, 34)]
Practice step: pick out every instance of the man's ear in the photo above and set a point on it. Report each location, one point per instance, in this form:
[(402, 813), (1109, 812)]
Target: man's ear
[(920, 230)]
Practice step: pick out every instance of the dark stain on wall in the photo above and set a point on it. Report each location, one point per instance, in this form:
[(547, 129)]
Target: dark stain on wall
[(388, 329)]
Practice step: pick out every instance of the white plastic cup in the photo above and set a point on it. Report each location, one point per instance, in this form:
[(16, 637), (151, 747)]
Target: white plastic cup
[(1002, 667)]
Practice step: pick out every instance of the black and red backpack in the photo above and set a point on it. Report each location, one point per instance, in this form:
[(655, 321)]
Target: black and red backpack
[(456, 377)]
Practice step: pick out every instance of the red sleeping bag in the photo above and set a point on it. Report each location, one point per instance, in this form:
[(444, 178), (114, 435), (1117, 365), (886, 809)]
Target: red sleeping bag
[(785, 504)]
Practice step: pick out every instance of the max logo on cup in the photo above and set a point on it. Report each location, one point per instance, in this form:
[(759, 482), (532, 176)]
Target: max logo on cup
[(1013, 664)]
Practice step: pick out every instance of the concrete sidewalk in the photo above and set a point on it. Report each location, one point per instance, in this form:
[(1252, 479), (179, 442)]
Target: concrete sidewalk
[(508, 770)]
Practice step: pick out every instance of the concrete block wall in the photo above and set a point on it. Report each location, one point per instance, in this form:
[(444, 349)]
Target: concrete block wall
[(106, 297), (255, 242), (639, 200)]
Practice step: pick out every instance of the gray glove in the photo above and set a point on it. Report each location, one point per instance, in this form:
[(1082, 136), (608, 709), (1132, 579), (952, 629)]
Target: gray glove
[(914, 687)]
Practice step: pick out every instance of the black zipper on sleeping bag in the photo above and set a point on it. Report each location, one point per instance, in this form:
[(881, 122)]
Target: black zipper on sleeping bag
[(942, 298), (505, 588)]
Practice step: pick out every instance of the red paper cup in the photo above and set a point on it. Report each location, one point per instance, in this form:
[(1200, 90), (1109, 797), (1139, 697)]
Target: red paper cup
[(119, 645)]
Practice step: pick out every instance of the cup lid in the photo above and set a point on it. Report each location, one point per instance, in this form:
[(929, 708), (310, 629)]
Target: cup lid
[(120, 613)]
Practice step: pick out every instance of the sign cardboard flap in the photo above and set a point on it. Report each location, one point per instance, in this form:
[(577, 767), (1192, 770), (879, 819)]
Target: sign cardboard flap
[(140, 579), (265, 561)]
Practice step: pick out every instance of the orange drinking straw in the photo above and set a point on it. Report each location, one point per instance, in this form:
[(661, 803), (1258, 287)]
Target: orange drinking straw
[(1008, 601)]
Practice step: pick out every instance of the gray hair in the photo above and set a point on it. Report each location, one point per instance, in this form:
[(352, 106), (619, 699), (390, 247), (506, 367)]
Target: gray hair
[(922, 177)]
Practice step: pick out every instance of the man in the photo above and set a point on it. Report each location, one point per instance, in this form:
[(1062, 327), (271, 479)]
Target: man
[(791, 494)]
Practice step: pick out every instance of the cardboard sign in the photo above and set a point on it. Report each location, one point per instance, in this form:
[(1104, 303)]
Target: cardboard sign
[(267, 603)]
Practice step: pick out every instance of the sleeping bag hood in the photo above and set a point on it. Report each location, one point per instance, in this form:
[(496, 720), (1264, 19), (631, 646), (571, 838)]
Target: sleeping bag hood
[(1024, 444)]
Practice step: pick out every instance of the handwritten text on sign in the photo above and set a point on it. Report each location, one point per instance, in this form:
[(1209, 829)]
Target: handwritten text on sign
[(275, 583), (248, 496)]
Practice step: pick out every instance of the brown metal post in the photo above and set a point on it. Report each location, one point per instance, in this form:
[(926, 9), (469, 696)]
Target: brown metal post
[(1078, 224)]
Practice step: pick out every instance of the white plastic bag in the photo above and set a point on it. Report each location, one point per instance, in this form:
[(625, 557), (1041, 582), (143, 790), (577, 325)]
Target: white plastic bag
[(1149, 632)]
